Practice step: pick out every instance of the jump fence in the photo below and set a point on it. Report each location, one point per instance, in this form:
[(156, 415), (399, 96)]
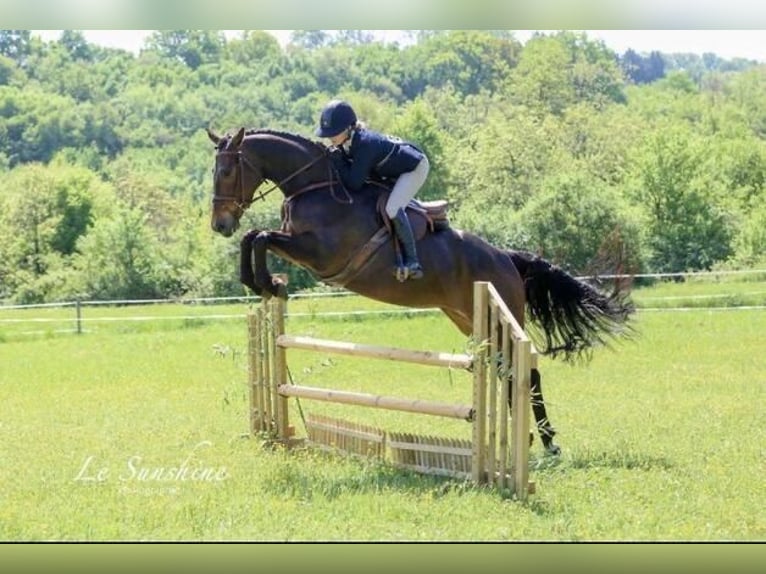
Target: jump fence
[(500, 363)]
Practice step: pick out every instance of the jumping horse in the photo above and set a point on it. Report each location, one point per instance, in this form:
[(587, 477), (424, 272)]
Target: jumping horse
[(341, 238)]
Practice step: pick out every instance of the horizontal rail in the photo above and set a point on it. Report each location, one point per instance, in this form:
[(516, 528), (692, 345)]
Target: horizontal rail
[(432, 358), (390, 403)]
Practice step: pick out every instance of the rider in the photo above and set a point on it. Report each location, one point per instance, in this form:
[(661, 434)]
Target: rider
[(359, 153)]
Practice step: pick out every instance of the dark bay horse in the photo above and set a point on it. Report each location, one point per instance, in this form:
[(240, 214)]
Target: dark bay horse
[(341, 239)]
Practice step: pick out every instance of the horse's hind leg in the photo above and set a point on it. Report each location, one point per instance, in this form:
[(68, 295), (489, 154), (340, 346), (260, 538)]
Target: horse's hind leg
[(544, 427)]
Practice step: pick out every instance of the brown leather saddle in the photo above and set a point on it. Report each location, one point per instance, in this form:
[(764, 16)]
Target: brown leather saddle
[(425, 217)]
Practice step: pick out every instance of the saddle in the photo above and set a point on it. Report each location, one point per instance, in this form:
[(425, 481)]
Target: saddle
[(425, 217)]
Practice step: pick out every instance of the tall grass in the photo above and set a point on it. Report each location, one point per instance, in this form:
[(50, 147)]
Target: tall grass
[(134, 431)]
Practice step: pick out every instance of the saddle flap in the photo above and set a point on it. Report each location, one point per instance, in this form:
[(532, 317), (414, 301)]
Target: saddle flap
[(424, 216)]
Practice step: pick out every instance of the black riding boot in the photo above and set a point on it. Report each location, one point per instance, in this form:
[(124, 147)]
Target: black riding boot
[(407, 240)]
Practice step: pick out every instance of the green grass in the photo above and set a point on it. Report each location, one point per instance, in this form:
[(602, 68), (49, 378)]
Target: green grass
[(722, 291), (662, 437)]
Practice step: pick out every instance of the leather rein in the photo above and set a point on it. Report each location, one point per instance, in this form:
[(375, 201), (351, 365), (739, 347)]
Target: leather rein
[(243, 203)]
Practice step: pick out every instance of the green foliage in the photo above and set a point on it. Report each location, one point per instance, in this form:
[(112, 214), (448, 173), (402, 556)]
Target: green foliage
[(503, 124), (470, 61), (640, 69), (750, 242), (749, 92), (15, 44), (417, 124), (581, 224), (555, 72), (686, 229), (192, 47), (118, 258), (43, 213)]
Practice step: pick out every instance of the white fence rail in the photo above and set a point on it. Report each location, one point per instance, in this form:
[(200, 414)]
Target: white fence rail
[(78, 307)]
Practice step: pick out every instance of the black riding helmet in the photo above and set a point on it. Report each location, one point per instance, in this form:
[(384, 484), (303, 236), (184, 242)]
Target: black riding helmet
[(336, 117)]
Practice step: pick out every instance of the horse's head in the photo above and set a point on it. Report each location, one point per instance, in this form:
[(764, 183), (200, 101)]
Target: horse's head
[(233, 185), (243, 161)]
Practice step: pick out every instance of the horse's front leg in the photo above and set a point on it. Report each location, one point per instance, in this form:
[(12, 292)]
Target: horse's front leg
[(299, 249), (246, 275), (254, 266)]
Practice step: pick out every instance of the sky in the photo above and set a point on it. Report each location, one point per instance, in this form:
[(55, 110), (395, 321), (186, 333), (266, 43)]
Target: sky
[(750, 44)]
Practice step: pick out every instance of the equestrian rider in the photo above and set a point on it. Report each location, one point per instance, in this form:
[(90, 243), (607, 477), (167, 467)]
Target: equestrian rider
[(359, 153)]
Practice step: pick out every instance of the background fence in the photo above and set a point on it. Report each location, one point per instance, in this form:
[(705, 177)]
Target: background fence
[(712, 291)]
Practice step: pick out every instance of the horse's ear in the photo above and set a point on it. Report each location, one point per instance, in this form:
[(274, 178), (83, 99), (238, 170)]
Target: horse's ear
[(213, 137), (236, 141)]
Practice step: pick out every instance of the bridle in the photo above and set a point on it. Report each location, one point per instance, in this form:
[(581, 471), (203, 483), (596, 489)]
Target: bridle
[(243, 203)]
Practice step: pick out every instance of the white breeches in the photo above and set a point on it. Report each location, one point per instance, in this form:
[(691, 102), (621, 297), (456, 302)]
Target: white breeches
[(407, 185)]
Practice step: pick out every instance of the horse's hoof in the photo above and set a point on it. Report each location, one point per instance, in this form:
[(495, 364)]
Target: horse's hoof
[(553, 449)]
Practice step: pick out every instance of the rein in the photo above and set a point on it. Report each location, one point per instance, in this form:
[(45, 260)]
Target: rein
[(244, 203)]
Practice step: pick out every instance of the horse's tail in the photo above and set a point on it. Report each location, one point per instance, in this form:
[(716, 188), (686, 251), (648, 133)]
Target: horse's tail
[(572, 315)]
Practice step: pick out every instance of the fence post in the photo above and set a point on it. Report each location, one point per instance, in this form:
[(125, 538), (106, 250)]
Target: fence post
[(480, 335), (78, 315)]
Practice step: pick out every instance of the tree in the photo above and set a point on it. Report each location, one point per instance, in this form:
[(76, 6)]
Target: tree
[(540, 80), (76, 45), (118, 258), (192, 47), (750, 242), (310, 39), (44, 212), (643, 70), (578, 221), (9, 72), (471, 61), (354, 37), (557, 71), (15, 44), (254, 47), (687, 229)]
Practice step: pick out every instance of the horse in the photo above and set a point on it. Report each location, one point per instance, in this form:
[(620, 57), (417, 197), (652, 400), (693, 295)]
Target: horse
[(342, 239)]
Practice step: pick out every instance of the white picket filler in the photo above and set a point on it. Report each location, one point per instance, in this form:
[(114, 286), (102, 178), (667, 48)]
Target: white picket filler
[(485, 459)]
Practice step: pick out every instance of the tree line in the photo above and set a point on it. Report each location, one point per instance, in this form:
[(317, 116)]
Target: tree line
[(597, 161)]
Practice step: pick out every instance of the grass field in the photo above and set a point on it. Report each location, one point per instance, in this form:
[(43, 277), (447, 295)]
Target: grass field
[(133, 431)]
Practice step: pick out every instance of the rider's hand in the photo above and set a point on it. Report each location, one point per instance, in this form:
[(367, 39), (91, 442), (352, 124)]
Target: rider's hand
[(336, 155)]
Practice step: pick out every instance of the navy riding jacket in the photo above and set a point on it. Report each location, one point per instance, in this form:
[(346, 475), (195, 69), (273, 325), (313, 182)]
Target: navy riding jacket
[(374, 155)]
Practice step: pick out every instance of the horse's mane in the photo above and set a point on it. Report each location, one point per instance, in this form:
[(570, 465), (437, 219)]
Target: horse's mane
[(297, 139)]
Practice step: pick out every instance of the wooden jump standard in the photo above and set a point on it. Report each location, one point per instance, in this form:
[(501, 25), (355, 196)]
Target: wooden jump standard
[(485, 459)]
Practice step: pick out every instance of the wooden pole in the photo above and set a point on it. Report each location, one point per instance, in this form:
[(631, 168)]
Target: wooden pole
[(480, 331), (502, 480), (520, 417), (492, 421), (378, 401), (280, 368), (78, 315), (256, 408), (266, 367), (392, 354)]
